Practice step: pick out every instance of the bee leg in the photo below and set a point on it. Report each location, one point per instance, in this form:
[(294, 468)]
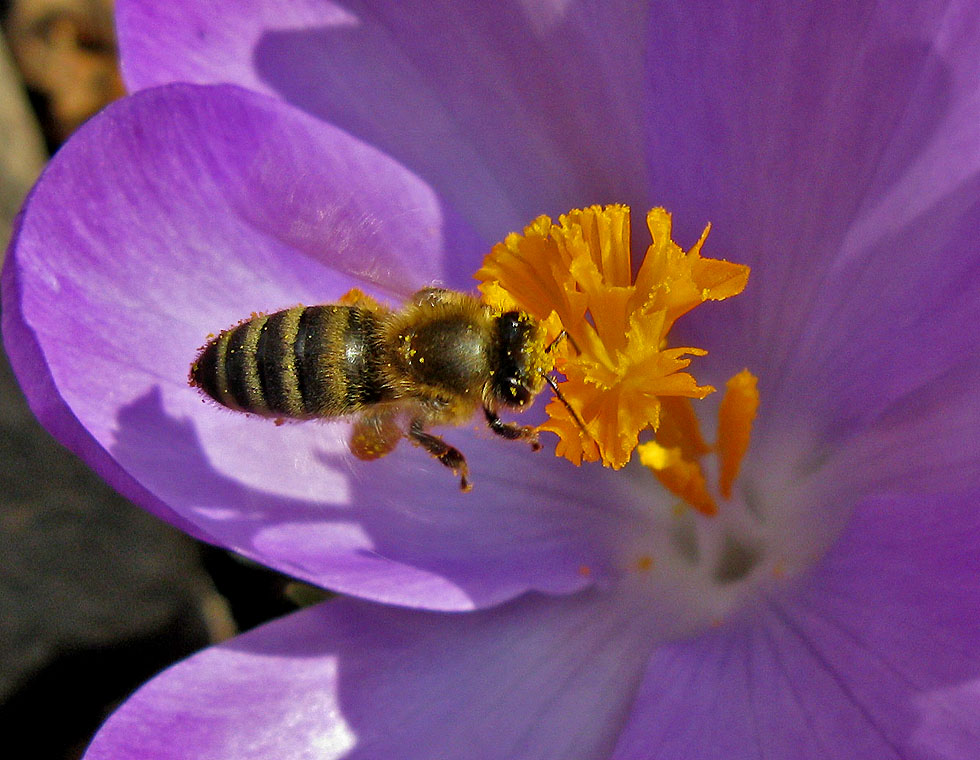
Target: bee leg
[(510, 430), (451, 457), (374, 435)]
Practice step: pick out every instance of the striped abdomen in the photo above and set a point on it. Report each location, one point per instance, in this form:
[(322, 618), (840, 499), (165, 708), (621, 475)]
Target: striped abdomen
[(315, 361)]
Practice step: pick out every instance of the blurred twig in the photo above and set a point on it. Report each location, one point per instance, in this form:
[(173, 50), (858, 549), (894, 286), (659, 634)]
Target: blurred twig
[(21, 146), (67, 56)]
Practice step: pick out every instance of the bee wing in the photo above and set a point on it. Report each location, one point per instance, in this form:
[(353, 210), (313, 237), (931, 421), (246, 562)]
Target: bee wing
[(433, 296), (375, 434)]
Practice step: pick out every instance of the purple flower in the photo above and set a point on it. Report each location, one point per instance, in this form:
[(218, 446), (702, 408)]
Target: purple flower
[(831, 609)]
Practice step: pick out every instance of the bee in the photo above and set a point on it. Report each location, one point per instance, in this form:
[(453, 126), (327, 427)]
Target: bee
[(436, 361)]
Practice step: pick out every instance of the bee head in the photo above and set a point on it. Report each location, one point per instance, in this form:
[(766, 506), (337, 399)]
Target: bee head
[(520, 359)]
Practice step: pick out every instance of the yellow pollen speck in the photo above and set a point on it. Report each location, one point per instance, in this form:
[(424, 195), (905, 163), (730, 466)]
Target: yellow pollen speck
[(779, 569), (352, 296), (619, 372), (644, 563), (585, 571)]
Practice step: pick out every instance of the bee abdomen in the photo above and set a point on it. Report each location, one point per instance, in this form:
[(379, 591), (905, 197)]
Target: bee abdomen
[(226, 368), (316, 361)]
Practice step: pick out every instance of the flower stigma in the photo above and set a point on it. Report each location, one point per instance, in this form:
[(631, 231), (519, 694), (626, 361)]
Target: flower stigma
[(621, 378)]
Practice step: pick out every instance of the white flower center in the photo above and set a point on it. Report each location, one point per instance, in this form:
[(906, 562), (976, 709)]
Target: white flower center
[(697, 570)]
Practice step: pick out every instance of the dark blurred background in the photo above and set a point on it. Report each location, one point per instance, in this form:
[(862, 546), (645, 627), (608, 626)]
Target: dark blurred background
[(95, 595)]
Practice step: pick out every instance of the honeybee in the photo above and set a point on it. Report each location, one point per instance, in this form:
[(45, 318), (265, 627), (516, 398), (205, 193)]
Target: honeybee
[(434, 362)]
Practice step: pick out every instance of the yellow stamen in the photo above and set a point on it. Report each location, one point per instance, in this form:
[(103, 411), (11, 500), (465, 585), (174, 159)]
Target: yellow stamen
[(679, 428), (644, 563), (578, 273), (682, 477), (735, 416), (674, 457)]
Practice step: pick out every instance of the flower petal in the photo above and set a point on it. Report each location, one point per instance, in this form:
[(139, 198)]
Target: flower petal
[(924, 442), (539, 113), (538, 678), (873, 655), (846, 180), (218, 202), (51, 410), (849, 182), (893, 319)]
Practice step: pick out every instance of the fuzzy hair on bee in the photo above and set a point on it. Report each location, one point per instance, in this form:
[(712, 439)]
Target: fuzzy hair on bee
[(436, 361)]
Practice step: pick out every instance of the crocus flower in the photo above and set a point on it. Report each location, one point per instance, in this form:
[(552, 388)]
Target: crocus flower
[(277, 153)]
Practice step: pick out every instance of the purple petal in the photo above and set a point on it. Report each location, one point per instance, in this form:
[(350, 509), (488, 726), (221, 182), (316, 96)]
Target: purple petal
[(874, 655), (538, 678), (42, 395), (924, 442), (845, 173), (895, 320), (865, 120), (216, 203), (508, 109)]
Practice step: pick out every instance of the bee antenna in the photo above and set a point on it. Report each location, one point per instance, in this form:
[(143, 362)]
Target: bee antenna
[(563, 335), (558, 394)]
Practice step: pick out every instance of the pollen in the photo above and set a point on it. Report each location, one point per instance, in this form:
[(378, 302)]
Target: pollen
[(619, 370)]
